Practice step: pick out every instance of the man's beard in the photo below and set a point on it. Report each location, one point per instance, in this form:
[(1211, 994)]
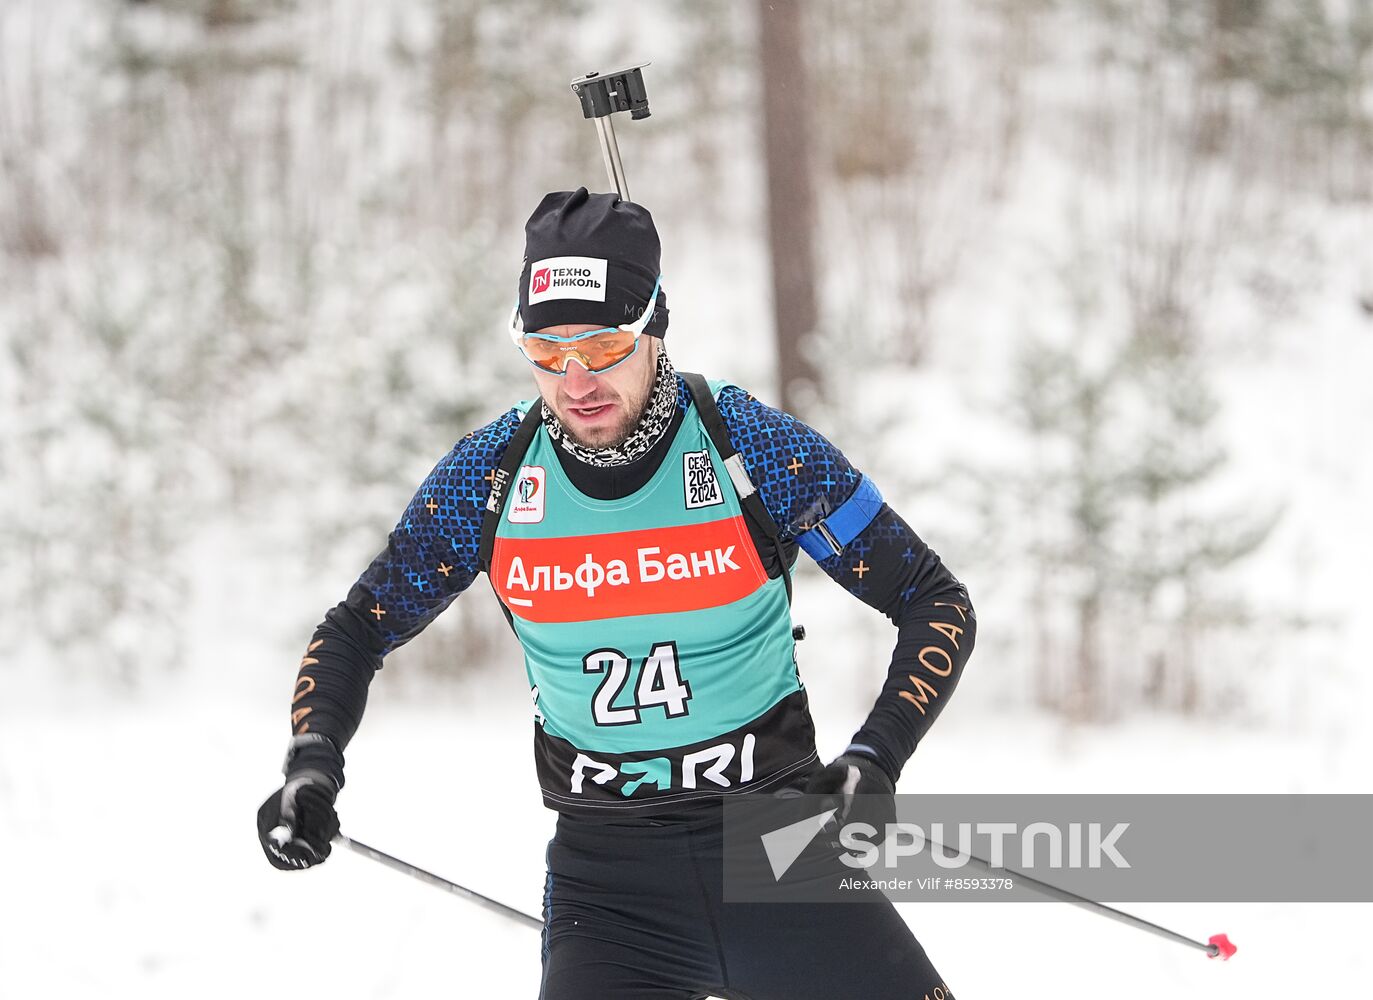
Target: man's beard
[(644, 419), (612, 437)]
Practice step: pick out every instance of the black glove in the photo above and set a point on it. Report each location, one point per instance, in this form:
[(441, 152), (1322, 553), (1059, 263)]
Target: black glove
[(297, 824), (861, 791)]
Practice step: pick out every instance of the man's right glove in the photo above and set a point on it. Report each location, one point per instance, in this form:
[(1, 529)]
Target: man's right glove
[(297, 824)]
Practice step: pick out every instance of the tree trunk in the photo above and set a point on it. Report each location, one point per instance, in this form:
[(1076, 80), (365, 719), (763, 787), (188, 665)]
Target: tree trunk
[(1086, 697), (790, 193)]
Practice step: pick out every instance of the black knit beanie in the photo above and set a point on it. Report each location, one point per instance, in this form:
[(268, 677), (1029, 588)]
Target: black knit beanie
[(590, 258)]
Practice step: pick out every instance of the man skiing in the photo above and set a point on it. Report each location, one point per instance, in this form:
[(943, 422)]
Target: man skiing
[(638, 527)]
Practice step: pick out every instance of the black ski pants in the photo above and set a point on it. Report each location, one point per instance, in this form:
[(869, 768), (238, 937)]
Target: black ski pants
[(634, 909)]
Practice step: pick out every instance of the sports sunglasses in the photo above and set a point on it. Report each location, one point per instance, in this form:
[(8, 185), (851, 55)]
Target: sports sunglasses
[(596, 350)]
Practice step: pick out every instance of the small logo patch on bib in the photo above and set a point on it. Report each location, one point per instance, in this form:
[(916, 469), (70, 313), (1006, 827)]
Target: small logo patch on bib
[(527, 498)]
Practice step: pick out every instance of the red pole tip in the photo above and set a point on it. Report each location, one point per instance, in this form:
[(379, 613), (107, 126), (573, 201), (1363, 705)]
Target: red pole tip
[(1221, 947)]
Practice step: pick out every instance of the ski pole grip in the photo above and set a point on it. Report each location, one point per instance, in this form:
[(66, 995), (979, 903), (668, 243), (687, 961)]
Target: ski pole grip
[(1219, 946)]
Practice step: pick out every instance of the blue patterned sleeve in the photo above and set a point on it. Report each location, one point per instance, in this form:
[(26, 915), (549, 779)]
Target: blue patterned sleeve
[(431, 555), (430, 558), (804, 479), (801, 477)]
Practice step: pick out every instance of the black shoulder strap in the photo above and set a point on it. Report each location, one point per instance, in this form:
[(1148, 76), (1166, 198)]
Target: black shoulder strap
[(509, 465), (749, 497)]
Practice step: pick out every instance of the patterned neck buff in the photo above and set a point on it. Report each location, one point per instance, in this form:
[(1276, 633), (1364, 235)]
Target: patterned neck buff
[(652, 425)]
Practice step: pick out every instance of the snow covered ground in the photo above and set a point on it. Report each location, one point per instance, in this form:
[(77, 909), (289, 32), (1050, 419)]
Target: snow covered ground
[(129, 864)]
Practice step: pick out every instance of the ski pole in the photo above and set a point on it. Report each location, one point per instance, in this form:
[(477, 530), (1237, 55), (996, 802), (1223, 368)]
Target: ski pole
[(413, 871), (1217, 946), (602, 94)]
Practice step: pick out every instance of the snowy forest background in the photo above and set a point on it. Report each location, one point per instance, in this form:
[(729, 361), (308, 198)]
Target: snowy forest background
[(1085, 285)]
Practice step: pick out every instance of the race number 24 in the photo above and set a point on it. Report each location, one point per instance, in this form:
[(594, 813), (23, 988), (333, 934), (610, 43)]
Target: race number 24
[(659, 683)]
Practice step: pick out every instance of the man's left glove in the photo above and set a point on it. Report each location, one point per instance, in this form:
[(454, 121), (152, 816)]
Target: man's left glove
[(861, 790), (297, 824)]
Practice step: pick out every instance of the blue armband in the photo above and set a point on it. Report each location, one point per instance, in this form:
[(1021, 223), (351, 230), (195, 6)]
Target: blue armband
[(829, 537)]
